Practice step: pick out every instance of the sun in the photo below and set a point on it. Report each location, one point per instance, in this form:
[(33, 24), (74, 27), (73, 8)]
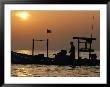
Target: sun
[(23, 15)]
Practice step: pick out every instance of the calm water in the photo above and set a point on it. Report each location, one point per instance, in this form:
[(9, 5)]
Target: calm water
[(34, 70), (18, 70)]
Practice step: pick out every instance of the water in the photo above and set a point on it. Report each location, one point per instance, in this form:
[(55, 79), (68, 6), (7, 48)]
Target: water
[(34, 70)]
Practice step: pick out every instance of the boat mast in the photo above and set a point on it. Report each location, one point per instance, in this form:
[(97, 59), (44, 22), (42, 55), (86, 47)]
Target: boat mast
[(33, 47), (91, 36)]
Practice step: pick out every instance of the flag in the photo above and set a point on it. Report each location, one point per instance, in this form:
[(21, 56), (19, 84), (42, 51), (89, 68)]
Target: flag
[(49, 31)]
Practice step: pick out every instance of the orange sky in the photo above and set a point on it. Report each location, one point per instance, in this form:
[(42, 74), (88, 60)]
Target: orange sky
[(64, 25)]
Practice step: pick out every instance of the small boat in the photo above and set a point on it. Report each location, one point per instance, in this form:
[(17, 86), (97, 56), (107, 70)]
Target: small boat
[(18, 58), (60, 58)]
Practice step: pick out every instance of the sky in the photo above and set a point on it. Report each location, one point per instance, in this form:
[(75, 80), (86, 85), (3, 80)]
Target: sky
[(64, 25)]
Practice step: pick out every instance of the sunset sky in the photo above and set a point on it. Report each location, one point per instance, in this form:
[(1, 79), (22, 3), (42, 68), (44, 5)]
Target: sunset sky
[(64, 25)]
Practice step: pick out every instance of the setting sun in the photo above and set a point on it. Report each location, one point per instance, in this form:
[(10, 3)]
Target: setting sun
[(23, 15)]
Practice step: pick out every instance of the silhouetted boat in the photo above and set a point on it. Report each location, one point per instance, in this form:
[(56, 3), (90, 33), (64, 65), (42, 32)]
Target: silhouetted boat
[(60, 59)]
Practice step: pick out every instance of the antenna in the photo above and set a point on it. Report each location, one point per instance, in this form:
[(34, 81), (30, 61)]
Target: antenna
[(92, 26)]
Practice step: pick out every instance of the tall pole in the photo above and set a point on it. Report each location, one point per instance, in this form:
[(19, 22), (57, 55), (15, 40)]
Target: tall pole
[(92, 27), (33, 47), (48, 31), (78, 48), (90, 49), (47, 48)]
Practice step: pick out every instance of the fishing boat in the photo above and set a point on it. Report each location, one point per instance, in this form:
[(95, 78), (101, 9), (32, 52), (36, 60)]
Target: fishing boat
[(60, 58)]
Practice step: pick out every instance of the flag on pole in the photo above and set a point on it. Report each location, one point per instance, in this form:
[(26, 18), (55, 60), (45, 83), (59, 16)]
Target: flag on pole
[(49, 31)]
